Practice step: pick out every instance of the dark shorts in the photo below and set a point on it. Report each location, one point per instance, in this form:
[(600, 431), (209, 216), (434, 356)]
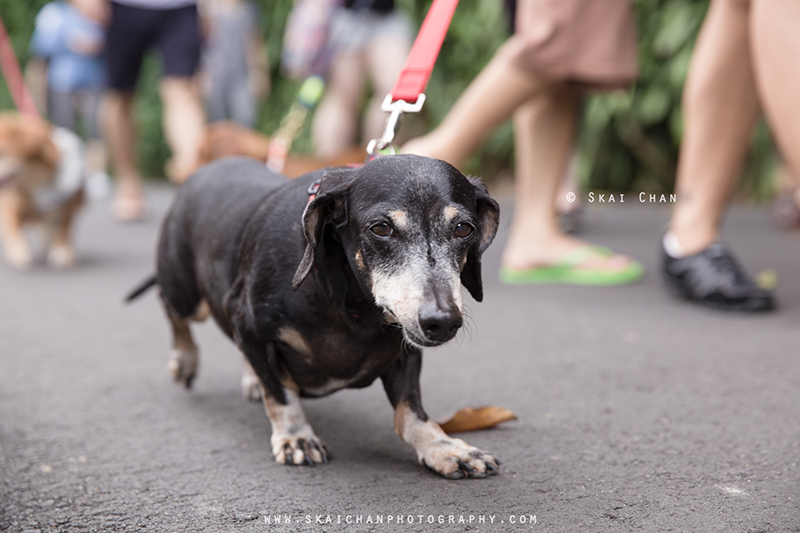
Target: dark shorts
[(174, 33)]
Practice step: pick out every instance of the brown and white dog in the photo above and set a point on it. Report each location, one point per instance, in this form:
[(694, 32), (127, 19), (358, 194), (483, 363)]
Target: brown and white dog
[(225, 138), (41, 181)]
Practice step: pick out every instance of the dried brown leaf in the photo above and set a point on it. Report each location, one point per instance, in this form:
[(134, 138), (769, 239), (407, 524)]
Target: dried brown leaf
[(473, 419)]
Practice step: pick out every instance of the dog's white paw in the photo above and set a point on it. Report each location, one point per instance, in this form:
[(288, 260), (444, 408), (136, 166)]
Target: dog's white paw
[(61, 256), (455, 459), (251, 387), (182, 366), (18, 255), (302, 447)]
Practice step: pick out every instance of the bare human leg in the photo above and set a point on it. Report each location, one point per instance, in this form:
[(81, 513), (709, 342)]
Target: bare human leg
[(775, 47), (335, 124), (385, 58), (721, 108), (544, 131), (489, 101), (119, 130), (184, 119)]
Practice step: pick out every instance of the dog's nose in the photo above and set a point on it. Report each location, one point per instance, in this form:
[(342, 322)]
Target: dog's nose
[(439, 325)]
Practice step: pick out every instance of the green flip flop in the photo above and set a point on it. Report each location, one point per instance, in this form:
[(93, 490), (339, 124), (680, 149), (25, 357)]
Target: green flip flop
[(566, 273)]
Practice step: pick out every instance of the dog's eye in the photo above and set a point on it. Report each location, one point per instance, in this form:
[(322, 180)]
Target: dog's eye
[(463, 230), (381, 229)]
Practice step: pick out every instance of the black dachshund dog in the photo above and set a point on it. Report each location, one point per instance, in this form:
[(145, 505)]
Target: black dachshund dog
[(329, 281)]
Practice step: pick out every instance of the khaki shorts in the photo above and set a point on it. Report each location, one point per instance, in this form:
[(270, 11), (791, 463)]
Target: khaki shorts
[(354, 30), (591, 43)]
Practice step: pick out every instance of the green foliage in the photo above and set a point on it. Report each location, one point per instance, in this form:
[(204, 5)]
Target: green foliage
[(18, 19), (147, 110), (628, 140)]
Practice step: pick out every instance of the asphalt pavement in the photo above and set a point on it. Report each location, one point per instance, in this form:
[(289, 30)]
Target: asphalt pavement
[(637, 412)]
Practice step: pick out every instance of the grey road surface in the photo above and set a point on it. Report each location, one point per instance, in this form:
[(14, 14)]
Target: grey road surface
[(637, 412)]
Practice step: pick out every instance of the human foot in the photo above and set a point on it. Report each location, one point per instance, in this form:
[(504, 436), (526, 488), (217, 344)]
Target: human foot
[(128, 204), (714, 278), (564, 260)]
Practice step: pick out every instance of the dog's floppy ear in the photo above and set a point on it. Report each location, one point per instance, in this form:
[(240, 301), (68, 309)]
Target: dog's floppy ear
[(488, 220), (24, 139), (329, 205), (34, 140)]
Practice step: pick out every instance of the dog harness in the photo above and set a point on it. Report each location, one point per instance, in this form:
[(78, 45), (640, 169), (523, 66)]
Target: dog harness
[(70, 175), (313, 189)]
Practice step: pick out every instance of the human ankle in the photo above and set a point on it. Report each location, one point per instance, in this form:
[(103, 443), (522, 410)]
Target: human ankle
[(683, 244), (129, 185)]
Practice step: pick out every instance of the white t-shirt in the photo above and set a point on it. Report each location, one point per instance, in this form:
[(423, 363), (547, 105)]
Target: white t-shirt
[(156, 4)]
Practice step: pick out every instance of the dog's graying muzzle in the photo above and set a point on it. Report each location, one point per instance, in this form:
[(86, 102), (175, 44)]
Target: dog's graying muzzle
[(439, 325)]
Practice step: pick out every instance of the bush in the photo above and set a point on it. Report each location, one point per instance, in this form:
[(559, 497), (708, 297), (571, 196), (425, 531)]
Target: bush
[(628, 140)]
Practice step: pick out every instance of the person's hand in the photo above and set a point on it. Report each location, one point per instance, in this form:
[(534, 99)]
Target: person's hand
[(85, 44)]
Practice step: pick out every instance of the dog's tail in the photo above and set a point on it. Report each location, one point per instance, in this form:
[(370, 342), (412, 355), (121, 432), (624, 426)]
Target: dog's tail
[(141, 288)]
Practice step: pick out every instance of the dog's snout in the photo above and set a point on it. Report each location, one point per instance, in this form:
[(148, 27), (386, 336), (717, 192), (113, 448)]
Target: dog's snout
[(440, 325)]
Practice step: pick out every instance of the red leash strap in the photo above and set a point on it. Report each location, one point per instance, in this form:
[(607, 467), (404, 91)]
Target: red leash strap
[(408, 93), (419, 65), (13, 75)]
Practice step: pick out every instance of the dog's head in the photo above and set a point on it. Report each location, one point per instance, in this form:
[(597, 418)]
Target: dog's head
[(413, 229), (27, 152)]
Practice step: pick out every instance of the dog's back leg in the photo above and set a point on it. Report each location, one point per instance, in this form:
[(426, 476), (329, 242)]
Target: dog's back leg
[(251, 386), (183, 357), (60, 253)]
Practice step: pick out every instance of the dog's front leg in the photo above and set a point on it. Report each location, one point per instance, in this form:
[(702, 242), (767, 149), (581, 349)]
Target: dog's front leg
[(17, 251), (452, 458), (293, 439), (251, 385)]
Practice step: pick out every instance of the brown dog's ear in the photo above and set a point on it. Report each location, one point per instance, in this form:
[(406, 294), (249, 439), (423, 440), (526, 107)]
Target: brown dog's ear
[(24, 139), (488, 220), (34, 138), (329, 205)]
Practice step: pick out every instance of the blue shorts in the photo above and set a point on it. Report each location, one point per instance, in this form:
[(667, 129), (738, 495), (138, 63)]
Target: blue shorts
[(174, 33)]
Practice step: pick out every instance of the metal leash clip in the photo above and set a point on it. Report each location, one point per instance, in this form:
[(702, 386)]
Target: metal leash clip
[(396, 110)]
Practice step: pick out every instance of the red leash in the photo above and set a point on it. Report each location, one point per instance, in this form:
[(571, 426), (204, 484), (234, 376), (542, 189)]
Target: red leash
[(13, 75), (408, 94), (419, 65)]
